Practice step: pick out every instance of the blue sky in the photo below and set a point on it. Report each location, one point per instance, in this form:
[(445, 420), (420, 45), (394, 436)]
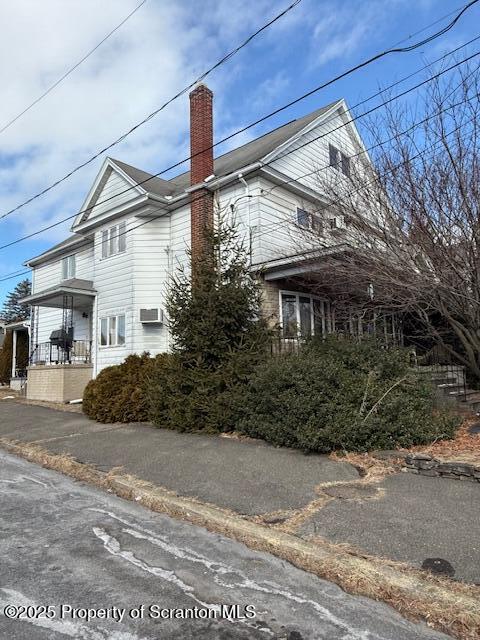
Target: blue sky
[(158, 51)]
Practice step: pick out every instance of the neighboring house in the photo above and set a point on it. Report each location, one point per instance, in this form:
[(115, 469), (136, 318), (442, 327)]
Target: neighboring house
[(100, 294), (20, 341)]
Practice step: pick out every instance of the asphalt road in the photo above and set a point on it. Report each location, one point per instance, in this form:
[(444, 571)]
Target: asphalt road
[(65, 543)]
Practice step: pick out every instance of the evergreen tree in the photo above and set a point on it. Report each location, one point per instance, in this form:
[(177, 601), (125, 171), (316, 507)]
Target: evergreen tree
[(219, 336), (12, 309), (216, 312)]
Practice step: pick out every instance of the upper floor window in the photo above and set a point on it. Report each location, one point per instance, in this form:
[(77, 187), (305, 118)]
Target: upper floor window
[(114, 240), (303, 218), (339, 160), (309, 220), (68, 267)]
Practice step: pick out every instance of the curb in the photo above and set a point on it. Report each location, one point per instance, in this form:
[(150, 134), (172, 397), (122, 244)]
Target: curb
[(448, 606)]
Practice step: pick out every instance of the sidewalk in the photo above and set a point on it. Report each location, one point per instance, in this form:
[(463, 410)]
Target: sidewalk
[(250, 478), (295, 506), (403, 517)]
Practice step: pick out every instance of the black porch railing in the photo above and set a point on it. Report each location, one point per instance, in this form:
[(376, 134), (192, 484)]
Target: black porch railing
[(74, 352), (293, 344), (444, 370)]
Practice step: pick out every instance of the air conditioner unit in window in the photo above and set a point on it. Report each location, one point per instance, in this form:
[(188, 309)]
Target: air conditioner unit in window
[(151, 316), (337, 223)]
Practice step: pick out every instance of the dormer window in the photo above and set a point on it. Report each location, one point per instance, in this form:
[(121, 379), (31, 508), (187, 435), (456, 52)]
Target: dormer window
[(114, 240), (339, 160), (68, 267)]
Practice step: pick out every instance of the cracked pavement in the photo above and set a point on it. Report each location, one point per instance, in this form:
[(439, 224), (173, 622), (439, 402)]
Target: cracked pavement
[(66, 543)]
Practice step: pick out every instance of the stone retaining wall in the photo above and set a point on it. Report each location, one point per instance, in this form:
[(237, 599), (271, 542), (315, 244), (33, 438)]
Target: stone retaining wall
[(427, 465)]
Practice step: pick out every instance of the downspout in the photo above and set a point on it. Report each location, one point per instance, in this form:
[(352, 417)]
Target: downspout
[(247, 196)]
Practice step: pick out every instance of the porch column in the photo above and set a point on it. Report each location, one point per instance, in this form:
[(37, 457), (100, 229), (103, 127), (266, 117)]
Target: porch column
[(14, 352)]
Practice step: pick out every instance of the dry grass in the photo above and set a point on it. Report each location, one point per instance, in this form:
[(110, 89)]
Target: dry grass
[(58, 406), (370, 468), (446, 605), (464, 447)]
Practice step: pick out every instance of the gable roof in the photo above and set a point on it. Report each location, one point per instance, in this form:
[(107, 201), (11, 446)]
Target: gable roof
[(228, 162), (72, 241), (150, 183)]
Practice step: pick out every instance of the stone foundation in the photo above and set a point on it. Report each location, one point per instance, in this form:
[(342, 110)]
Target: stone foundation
[(427, 465), (58, 383)]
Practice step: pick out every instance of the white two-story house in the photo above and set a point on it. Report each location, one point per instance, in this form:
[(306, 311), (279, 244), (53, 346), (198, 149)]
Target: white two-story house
[(100, 294)]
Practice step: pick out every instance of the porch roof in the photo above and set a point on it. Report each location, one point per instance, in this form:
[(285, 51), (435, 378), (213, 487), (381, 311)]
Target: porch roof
[(299, 264), (17, 325), (81, 291)]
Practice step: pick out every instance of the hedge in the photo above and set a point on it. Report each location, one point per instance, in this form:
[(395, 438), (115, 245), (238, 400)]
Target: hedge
[(119, 393), (339, 394)]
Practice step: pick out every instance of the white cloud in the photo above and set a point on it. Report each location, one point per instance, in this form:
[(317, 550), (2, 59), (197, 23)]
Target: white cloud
[(157, 52), (345, 27)]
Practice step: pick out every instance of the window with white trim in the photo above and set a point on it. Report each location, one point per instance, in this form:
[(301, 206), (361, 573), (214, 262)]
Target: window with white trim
[(339, 160), (305, 315), (68, 267), (112, 331), (309, 220), (114, 240)]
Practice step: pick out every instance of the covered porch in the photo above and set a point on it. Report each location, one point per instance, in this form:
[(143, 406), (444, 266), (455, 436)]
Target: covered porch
[(302, 303), (61, 366), (20, 336)]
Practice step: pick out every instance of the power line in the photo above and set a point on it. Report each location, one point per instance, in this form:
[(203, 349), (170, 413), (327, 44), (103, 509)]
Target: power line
[(365, 113), (15, 275), (71, 70), (354, 191), (344, 124), (281, 222), (275, 112), (157, 111)]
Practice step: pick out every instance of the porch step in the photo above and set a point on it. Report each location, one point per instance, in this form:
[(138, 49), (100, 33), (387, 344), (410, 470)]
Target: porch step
[(467, 393), (442, 380), (450, 387)]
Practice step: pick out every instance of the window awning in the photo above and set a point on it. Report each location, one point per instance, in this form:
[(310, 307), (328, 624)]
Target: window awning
[(81, 292)]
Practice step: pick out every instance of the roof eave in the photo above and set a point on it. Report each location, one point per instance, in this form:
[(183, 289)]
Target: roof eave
[(56, 251)]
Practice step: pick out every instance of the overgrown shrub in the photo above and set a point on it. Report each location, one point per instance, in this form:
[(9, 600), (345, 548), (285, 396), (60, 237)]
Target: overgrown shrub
[(119, 393), (339, 394), (6, 358), (6, 355)]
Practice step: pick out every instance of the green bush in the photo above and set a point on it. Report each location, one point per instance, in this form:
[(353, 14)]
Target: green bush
[(339, 394), (219, 337), (6, 358), (189, 397), (119, 393)]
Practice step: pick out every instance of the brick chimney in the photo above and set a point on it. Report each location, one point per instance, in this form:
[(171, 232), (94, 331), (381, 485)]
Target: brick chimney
[(201, 166)]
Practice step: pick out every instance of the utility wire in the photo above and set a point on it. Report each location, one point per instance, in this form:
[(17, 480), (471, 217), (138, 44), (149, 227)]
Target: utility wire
[(344, 124), (282, 222), (71, 70), (14, 275), (271, 227), (275, 112), (154, 113)]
